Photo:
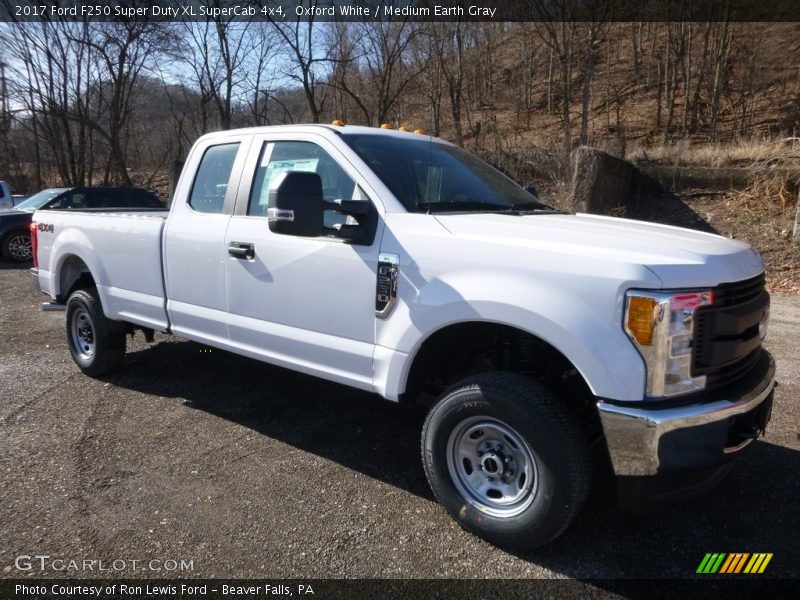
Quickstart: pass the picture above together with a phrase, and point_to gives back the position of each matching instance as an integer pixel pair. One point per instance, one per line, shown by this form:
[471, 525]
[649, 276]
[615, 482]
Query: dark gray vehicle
[15, 235]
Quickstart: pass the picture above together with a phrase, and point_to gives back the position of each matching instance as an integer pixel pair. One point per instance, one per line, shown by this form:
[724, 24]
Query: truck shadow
[7, 265]
[668, 209]
[357, 429]
[753, 510]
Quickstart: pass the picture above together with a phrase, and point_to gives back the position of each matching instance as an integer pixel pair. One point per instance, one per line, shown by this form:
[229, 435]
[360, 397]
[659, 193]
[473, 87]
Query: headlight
[661, 325]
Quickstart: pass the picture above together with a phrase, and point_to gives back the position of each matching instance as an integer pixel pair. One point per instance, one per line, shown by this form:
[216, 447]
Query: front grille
[728, 374]
[727, 343]
[740, 292]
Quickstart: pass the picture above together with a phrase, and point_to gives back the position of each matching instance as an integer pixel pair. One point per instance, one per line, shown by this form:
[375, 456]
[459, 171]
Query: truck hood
[13, 212]
[678, 257]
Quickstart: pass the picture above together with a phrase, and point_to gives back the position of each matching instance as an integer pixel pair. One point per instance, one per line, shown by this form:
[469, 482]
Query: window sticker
[276, 169]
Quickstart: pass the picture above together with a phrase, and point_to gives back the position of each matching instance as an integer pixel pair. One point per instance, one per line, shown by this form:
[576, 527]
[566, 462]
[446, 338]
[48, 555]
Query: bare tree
[258, 72]
[217, 53]
[722, 38]
[558, 32]
[122, 50]
[52, 79]
[309, 61]
[594, 32]
[449, 45]
[377, 72]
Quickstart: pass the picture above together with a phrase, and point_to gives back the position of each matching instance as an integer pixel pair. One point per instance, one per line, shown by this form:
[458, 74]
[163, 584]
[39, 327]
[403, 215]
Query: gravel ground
[249, 470]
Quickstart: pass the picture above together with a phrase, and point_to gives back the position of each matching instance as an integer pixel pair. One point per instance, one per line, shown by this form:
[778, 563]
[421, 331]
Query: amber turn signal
[641, 319]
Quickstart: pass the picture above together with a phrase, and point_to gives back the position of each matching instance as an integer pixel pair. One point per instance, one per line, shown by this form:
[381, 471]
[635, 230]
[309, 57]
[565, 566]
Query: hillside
[646, 87]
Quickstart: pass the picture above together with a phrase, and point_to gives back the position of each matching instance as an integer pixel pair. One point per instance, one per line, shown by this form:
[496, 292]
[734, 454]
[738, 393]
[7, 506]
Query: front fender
[585, 329]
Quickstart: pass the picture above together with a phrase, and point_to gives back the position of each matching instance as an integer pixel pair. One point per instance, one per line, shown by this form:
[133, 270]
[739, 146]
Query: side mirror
[296, 205]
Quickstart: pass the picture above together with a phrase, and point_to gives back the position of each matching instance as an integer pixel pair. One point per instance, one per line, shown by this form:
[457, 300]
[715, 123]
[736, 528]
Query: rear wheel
[17, 246]
[97, 343]
[506, 459]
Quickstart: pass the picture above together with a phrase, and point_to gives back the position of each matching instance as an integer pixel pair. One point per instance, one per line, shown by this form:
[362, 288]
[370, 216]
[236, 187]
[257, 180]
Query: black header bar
[401, 10]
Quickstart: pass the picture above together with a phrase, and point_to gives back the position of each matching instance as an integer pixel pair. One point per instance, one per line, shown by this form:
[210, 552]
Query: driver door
[304, 303]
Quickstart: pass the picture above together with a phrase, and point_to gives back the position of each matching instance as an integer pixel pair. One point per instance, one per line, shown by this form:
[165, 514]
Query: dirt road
[248, 470]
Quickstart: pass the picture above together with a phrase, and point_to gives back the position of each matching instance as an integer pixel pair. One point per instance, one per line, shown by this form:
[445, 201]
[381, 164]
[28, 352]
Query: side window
[283, 157]
[75, 200]
[102, 199]
[211, 181]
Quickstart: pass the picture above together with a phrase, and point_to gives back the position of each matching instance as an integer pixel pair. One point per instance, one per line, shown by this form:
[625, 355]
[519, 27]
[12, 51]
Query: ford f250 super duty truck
[401, 264]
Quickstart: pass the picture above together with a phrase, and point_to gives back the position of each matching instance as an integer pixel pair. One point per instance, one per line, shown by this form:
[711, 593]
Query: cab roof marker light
[339, 122]
[385, 126]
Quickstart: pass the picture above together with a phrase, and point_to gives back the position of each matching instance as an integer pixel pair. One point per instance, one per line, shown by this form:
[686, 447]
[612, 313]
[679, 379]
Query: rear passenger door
[305, 303]
[194, 240]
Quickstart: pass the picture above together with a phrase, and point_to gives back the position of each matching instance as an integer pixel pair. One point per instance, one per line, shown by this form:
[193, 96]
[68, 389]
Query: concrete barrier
[680, 179]
[600, 182]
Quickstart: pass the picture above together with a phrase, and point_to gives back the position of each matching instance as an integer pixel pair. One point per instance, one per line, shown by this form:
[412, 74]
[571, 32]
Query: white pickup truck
[401, 264]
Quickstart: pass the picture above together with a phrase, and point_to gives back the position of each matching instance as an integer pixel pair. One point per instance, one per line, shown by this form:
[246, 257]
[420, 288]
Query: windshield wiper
[532, 208]
[462, 205]
[523, 208]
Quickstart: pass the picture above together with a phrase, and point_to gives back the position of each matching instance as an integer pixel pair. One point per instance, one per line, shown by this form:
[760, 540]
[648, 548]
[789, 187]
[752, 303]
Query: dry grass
[765, 189]
[762, 215]
[741, 153]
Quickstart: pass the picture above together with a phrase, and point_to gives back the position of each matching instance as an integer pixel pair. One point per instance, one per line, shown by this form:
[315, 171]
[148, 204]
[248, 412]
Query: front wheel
[17, 246]
[97, 343]
[506, 459]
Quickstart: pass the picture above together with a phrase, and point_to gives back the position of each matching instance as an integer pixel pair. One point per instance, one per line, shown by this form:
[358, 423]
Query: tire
[17, 246]
[516, 431]
[97, 343]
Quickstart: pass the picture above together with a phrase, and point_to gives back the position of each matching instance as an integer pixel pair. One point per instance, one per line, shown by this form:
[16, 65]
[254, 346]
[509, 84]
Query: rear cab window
[213, 178]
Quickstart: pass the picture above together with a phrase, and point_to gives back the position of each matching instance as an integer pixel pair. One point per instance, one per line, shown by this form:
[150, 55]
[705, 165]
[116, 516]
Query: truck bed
[121, 248]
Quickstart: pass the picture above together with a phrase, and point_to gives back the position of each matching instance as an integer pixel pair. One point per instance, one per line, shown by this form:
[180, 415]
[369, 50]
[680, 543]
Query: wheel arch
[73, 274]
[436, 350]
[16, 228]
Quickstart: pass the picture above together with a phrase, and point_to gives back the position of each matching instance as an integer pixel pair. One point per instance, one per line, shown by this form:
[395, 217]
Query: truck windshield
[428, 176]
[38, 200]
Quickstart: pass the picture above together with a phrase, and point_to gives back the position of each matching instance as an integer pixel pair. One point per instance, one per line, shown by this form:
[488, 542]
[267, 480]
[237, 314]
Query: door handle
[244, 250]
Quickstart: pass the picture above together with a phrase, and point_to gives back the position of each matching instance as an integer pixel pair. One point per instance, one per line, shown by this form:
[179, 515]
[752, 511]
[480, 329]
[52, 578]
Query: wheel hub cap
[20, 247]
[82, 334]
[492, 466]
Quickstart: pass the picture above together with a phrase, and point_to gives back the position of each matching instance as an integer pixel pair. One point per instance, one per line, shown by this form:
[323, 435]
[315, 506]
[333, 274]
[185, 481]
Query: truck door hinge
[386, 289]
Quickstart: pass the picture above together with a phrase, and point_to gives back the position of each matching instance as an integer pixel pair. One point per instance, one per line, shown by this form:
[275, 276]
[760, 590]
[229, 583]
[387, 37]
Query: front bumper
[666, 449]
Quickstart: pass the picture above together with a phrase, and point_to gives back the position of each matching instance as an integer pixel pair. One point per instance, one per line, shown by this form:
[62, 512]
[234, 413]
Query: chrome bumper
[651, 441]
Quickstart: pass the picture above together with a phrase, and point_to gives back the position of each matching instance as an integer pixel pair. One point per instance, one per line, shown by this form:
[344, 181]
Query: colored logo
[736, 562]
